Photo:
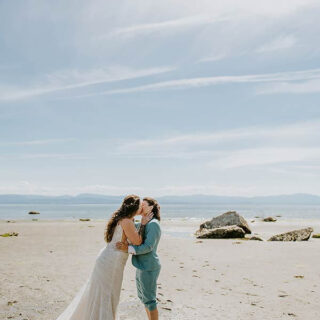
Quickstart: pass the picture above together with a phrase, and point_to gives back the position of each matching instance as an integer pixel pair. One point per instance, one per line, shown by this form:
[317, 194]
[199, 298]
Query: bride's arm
[129, 228]
[131, 232]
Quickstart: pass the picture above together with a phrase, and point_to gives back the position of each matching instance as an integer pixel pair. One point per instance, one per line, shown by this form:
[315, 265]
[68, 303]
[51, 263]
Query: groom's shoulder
[154, 223]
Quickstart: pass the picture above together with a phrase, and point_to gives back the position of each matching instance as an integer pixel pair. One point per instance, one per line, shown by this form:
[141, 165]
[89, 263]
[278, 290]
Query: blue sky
[160, 97]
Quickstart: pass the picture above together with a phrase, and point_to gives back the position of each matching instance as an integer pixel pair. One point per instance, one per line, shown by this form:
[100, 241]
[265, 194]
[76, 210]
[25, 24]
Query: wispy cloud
[212, 58]
[58, 156]
[280, 43]
[72, 79]
[267, 156]
[219, 144]
[36, 142]
[212, 81]
[165, 26]
[311, 86]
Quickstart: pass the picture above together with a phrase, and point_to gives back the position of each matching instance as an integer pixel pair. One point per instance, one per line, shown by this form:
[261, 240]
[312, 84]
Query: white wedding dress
[99, 297]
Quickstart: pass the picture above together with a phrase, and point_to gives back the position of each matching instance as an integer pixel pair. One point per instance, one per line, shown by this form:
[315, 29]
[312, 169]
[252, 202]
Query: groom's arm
[152, 235]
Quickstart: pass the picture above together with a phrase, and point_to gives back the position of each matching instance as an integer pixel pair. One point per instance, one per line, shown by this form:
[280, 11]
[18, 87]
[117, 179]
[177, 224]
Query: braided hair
[128, 208]
[156, 207]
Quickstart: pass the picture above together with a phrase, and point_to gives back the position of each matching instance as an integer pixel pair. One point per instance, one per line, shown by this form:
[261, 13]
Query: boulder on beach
[221, 233]
[270, 219]
[34, 212]
[84, 219]
[230, 218]
[295, 235]
[317, 236]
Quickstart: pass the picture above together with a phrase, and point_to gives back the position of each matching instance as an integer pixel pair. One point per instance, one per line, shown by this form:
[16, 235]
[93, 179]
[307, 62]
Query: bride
[99, 297]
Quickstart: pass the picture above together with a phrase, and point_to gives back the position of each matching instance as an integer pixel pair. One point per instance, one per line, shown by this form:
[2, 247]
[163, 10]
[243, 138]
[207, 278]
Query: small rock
[84, 219]
[299, 277]
[316, 236]
[269, 219]
[256, 238]
[9, 234]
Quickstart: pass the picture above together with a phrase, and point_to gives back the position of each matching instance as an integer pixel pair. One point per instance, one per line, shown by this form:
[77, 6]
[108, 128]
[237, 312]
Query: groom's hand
[145, 219]
[123, 246]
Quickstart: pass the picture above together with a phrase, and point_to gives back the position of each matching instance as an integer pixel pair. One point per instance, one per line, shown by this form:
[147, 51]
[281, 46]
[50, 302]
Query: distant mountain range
[299, 198]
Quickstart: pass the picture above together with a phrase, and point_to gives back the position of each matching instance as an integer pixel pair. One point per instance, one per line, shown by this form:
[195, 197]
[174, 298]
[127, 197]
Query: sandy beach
[47, 263]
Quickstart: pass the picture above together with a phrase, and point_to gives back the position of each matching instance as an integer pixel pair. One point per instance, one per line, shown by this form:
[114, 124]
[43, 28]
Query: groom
[145, 258]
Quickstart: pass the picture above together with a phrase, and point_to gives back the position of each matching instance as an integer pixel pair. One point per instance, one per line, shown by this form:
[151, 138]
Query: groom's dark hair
[156, 207]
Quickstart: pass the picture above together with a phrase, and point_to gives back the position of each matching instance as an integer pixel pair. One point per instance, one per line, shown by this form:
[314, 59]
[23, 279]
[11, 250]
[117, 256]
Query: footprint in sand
[165, 308]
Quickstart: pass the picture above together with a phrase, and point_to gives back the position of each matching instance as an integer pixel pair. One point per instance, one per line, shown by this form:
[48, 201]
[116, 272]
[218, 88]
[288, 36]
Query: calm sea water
[103, 211]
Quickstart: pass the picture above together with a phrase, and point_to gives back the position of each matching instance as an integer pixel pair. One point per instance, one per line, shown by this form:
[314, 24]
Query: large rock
[221, 233]
[295, 235]
[34, 212]
[230, 218]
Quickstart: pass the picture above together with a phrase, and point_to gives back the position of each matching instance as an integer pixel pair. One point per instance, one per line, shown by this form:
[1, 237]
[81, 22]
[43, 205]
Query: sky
[160, 97]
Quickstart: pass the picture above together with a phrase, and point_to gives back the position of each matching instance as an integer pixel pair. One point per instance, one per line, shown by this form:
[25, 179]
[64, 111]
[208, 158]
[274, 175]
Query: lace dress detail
[98, 299]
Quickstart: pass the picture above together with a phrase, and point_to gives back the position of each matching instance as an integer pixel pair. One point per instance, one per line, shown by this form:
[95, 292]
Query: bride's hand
[145, 219]
[123, 246]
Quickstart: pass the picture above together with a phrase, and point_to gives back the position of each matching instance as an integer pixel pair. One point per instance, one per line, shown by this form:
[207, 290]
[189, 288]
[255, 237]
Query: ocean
[188, 211]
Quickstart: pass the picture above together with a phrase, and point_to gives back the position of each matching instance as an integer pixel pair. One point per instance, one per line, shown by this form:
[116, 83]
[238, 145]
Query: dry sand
[44, 267]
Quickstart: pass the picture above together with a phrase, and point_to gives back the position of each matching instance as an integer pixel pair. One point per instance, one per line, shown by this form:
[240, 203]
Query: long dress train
[98, 299]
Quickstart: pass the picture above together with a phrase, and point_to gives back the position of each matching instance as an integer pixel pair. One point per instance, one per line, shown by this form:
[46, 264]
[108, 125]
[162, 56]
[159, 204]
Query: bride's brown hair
[128, 208]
